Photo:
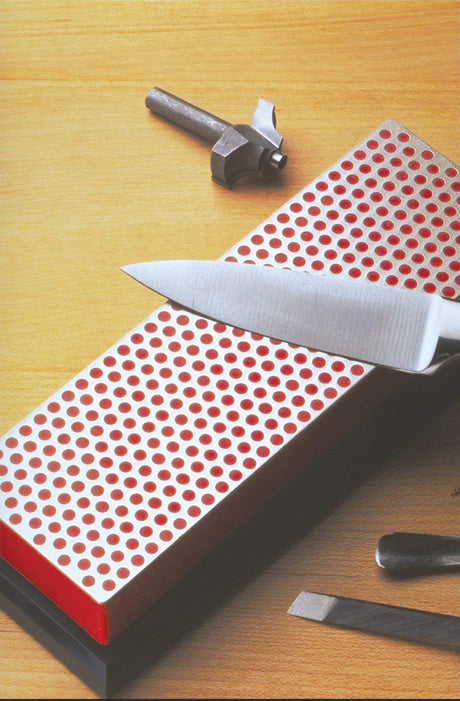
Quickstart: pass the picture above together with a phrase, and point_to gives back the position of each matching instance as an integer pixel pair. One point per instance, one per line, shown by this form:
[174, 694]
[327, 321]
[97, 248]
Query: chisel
[424, 626]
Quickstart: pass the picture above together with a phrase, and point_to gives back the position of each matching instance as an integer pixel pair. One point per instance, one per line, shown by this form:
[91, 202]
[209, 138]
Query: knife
[402, 329]
[426, 626]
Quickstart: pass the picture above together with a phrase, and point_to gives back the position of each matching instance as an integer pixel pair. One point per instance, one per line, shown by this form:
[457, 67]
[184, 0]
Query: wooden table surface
[90, 181]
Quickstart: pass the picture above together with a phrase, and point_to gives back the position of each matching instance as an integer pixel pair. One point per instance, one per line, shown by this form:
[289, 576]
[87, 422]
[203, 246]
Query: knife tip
[134, 270]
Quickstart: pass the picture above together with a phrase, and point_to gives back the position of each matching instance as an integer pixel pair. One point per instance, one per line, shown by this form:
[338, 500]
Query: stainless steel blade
[426, 626]
[371, 323]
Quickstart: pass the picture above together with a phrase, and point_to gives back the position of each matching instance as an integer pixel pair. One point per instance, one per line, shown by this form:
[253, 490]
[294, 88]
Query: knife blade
[426, 626]
[397, 328]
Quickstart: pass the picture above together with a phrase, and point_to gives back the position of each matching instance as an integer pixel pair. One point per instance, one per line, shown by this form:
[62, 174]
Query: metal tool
[402, 329]
[425, 626]
[237, 150]
[403, 552]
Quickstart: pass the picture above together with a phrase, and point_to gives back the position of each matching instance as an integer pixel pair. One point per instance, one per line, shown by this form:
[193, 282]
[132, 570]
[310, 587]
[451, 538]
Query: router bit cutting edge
[238, 150]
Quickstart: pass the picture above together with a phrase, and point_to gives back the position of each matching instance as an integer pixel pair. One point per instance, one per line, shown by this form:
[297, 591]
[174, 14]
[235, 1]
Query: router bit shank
[185, 115]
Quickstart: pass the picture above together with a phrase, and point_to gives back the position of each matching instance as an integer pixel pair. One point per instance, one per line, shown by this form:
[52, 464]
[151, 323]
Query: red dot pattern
[387, 212]
[131, 453]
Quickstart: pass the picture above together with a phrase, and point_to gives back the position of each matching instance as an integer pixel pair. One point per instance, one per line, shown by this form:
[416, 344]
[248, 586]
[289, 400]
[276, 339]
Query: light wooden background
[91, 181]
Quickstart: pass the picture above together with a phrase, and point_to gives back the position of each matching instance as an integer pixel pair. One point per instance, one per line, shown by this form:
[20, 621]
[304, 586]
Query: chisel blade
[415, 624]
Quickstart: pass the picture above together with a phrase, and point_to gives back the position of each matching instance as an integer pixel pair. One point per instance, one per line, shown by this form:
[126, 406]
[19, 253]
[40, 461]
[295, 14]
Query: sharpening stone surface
[115, 469]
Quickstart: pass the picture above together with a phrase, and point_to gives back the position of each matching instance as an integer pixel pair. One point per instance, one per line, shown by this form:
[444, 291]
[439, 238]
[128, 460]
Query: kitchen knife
[426, 626]
[402, 329]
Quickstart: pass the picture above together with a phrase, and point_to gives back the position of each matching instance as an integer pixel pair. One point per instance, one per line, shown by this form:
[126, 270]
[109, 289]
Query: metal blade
[363, 321]
[426, 626]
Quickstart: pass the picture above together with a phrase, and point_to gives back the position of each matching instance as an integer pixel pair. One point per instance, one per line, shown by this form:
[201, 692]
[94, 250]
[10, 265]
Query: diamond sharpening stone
[131, 473]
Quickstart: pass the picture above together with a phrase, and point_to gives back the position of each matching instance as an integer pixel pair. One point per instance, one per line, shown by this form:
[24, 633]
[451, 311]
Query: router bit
[238, 150]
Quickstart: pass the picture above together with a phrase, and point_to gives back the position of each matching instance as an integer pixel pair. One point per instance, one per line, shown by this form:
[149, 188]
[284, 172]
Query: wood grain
[91, 181]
